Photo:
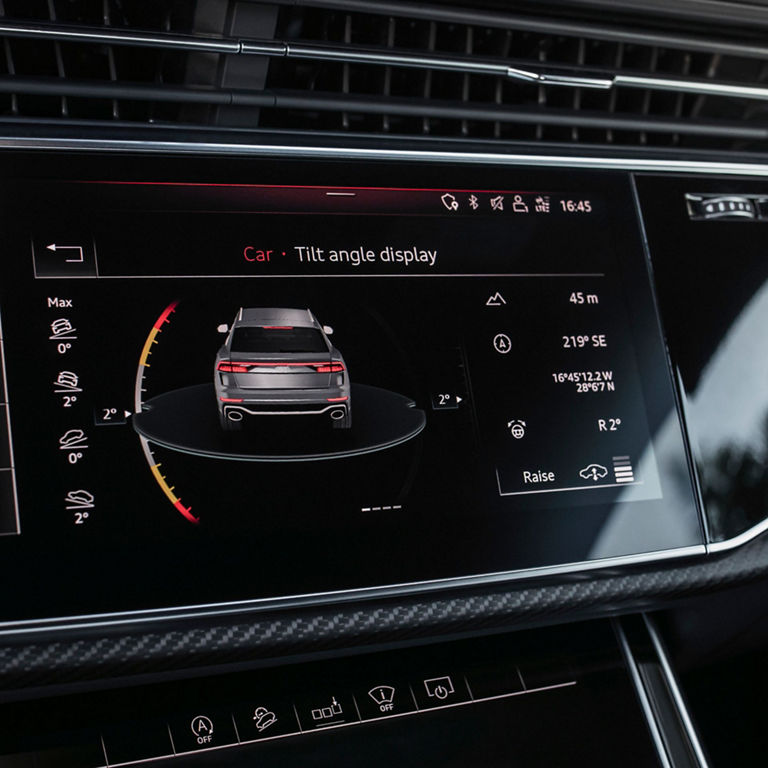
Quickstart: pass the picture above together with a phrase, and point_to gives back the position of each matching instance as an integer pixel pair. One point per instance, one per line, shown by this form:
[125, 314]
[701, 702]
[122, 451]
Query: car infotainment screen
[247, 379]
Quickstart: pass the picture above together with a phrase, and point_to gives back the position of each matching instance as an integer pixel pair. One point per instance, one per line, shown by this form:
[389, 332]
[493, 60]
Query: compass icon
[502, 343]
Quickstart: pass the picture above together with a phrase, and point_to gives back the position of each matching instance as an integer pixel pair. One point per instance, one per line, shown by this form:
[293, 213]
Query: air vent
[414, 70]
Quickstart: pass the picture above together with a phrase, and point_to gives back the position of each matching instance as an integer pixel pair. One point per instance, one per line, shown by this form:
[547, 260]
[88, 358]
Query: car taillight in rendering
[233, 366]
[230, 367]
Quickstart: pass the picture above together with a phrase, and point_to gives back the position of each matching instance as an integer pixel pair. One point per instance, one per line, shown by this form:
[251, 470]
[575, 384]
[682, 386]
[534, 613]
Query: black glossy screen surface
[712, 278]
[491, 392]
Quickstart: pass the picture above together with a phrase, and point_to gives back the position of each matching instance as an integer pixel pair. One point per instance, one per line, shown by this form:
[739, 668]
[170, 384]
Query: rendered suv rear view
[280, 362]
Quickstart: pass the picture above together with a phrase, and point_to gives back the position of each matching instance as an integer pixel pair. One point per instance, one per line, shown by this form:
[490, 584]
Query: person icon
[518, 206]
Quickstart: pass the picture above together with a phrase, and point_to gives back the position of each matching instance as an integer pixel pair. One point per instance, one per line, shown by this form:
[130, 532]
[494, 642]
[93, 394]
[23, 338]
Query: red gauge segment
[167, 489]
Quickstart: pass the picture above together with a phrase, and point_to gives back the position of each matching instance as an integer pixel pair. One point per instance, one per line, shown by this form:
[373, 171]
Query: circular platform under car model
[186, 420]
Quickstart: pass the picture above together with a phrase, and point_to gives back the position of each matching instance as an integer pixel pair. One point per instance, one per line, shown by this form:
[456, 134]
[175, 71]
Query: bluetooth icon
[474, 204]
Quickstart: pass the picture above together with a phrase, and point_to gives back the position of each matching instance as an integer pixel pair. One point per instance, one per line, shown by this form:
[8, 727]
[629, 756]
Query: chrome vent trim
[359, 55]
[618, 33]
[116, 36]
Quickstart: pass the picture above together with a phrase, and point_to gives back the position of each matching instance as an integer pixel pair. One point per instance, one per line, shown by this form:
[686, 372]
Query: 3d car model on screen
[280, 362]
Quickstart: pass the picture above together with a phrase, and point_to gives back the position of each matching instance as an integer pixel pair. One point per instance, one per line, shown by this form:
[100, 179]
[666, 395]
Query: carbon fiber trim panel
[182, 646]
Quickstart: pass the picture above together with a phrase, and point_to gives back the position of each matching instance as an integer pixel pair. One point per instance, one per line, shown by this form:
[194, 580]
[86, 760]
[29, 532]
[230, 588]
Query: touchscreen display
[224, 389]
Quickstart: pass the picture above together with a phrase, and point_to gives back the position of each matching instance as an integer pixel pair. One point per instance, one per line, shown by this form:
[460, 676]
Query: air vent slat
[387, 84]
[432, 40]
[557, 74]
[390, 68]
[377, 106]
[113, 78]
[541, 95]
[64, 111]
[345, 89]
[552, 117]
[9, 66]
[56, 87]
[550, 26]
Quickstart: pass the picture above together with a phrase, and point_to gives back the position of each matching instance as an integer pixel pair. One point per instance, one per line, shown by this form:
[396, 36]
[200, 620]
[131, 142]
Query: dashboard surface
[484, 700]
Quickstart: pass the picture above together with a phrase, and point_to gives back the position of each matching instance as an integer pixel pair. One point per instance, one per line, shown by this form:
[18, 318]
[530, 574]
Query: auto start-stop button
[202, 730]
